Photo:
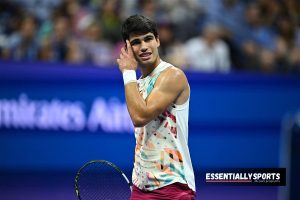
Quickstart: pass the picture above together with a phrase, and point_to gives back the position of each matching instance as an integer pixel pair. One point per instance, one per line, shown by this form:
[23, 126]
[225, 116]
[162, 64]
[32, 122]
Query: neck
[147, 69]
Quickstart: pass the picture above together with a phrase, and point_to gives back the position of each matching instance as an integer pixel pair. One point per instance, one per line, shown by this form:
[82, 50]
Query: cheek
[135, 51]
[155, 48]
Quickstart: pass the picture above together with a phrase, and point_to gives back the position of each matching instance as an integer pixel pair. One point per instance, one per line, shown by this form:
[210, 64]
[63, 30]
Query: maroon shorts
[175, 191]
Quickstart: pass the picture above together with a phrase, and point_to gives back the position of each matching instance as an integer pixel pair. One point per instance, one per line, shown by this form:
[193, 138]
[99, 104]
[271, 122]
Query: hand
[127, 60]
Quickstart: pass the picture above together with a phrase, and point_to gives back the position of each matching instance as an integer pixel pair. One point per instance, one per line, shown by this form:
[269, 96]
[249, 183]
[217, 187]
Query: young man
[158, 105]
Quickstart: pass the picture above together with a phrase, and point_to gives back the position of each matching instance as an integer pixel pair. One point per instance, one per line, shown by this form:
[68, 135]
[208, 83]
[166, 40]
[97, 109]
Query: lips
[145, 56]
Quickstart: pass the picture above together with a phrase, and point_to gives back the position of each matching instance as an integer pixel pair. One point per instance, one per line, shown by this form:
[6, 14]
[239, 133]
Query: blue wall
[235, 119]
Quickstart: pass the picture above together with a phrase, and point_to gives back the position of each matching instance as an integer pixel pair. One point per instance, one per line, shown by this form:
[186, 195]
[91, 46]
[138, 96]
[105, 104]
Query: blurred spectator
[207, 52]
[267, 61]
[40, 9]
[228, 13]
[250, 57]
[171, 50]
[148, 8]
[109, 18]
[257, 41]
[78, 15]
[59, 40]
[9, 20]
[97, 50]
[292, 9]
[46, 52]
[186, 16]
[255, 30]
[23, 45]
[74, 52]
[287, 46]
[295, 61]
[258, 35]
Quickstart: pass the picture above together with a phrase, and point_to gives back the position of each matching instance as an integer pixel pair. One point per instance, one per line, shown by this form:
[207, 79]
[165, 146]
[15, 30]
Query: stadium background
[57, 114]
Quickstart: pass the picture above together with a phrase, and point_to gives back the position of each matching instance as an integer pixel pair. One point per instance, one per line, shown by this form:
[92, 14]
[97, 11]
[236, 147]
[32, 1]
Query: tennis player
[158, 104]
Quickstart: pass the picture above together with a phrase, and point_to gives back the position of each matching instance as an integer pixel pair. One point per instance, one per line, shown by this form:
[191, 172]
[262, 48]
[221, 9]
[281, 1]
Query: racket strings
[99, 181]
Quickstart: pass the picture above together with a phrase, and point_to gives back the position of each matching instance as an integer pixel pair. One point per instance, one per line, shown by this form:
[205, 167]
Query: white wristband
[129, 76]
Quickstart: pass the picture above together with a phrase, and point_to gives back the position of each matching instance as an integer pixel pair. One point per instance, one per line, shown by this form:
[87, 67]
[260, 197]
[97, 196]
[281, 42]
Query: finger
[121, 56]
[129, 48]
[123, 51]
[118, 61]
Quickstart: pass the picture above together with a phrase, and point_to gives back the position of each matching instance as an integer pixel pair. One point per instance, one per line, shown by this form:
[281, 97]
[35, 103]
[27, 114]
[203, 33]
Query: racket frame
[103, 162]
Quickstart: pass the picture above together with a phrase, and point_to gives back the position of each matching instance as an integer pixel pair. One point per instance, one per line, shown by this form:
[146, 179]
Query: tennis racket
[101, 180]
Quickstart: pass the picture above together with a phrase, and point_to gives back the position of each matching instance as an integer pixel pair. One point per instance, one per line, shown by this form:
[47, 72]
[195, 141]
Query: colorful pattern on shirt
[158, 160]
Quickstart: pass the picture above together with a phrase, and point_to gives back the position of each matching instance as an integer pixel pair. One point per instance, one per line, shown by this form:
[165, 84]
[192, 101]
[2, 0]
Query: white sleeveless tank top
[161, 154]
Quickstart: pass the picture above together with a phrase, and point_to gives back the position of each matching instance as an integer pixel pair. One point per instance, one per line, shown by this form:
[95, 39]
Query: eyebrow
[148, 36]
[145, 37]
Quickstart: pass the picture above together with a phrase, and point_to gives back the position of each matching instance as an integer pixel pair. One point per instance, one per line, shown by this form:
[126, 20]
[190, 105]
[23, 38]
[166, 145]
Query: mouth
[145, 56]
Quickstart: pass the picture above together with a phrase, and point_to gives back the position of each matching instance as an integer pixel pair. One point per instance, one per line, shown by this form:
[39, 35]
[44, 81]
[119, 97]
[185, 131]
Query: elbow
[139, 121]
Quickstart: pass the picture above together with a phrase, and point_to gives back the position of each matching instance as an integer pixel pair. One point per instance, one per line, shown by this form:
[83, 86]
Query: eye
[148, 38]
[134, 42]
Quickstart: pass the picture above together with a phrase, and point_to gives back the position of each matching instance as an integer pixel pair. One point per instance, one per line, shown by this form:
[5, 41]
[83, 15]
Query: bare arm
[168, 87]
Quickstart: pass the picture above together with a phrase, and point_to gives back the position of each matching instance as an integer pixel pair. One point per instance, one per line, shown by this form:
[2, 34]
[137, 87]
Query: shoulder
[176, 72]
[173, 73]
[172, 77]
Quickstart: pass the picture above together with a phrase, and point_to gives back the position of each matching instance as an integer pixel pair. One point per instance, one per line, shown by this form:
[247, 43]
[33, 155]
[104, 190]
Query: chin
[147, 62]
[151, 61]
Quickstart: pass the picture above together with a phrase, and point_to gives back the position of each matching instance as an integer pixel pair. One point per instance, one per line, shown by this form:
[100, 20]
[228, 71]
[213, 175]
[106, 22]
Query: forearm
[136, 105]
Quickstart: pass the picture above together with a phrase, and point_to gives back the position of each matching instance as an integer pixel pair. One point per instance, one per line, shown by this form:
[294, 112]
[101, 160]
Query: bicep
[164, 93]
[159, 100]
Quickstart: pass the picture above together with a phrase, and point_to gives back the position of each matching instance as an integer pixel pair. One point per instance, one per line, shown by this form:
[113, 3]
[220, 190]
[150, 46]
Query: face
[145, 49]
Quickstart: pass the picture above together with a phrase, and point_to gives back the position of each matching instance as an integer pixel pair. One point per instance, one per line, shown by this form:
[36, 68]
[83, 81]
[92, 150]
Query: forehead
[139, 36]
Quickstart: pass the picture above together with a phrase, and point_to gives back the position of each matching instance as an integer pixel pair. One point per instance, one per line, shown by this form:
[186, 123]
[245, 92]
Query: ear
[158, 41]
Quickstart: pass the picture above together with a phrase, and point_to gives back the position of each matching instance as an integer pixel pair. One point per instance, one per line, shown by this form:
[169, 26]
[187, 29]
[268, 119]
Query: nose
[144, 47]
